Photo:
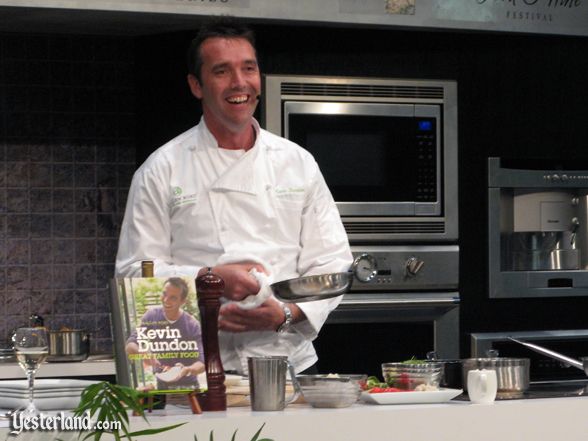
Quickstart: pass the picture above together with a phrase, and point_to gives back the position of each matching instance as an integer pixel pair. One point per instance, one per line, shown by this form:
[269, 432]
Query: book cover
[157, 334]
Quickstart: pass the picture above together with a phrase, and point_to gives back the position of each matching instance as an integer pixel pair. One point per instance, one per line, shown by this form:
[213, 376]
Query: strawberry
[377, 390]
[403, 379]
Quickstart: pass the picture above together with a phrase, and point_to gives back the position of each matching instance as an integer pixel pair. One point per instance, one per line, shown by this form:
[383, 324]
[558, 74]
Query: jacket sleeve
[146, 232]
[325, 249]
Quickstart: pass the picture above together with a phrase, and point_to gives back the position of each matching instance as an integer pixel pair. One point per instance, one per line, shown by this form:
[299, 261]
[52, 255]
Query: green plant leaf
[258, 432]
[118, 408]
[234, 437]
[89, 393]
[110, 402]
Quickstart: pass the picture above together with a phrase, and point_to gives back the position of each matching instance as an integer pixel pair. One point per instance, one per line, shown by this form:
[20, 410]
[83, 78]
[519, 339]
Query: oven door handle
[437, 307]
[401, 302]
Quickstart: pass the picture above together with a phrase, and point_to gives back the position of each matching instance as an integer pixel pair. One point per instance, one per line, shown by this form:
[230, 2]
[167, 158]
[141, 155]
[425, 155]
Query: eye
[251, 67]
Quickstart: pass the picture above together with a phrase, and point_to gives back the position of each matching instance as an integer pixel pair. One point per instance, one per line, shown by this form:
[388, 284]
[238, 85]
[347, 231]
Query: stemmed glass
[31, 348]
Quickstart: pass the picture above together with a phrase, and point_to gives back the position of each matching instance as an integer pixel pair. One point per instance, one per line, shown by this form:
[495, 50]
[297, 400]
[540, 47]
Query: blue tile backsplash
[67, 155]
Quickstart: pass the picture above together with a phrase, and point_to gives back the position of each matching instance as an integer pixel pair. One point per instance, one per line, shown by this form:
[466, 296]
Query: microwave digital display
[425, 125]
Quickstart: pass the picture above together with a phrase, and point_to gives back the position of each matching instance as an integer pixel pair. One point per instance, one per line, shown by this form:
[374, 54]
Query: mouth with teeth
[238, 99]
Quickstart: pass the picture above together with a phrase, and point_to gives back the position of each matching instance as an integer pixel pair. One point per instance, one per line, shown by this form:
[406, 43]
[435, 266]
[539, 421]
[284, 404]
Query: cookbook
[157, 334]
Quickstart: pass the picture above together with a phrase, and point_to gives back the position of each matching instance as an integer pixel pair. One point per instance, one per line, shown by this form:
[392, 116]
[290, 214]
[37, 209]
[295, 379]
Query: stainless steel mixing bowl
[331, 391]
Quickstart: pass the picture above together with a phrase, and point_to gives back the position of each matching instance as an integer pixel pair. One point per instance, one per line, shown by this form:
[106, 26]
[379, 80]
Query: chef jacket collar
[244, 174]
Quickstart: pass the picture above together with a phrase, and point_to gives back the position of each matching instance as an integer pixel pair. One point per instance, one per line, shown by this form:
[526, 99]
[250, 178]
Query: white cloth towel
[264, 280]
[265, 292]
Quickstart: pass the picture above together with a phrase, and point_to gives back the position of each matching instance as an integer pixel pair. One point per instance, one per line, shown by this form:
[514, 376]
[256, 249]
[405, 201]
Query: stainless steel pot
[68, 345]
[512, 374]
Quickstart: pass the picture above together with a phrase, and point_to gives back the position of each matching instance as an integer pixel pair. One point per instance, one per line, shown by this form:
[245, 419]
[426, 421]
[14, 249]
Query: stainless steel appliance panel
[405, 268]
[537, 229]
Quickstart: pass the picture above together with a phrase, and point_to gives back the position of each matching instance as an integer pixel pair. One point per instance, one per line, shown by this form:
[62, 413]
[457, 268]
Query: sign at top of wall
[529, 16]
[536, 16]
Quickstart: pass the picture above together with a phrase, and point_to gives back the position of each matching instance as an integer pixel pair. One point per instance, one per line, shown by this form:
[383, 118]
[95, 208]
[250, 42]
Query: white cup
[482, 386]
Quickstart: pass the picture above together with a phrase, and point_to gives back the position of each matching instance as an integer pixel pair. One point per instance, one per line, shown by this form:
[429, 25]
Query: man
[231, 196]
[173, 323]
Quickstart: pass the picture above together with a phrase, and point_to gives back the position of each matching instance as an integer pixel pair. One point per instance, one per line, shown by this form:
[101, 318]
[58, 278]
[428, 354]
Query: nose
[237, 79]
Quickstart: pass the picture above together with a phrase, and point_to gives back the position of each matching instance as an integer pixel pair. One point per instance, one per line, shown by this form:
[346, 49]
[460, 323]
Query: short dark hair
[221, 27]
[178, 282]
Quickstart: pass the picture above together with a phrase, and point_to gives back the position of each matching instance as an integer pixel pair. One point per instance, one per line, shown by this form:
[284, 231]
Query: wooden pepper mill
[210, 288]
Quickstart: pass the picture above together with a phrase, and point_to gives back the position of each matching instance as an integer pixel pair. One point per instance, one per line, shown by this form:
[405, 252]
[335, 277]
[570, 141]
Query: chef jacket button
[273, 261]
[268, 187]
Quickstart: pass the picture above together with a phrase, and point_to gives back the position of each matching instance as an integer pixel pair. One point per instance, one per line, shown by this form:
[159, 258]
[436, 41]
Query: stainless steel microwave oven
[387, 149]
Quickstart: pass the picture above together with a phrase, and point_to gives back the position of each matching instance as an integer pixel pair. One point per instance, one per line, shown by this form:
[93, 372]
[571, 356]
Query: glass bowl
[413, 376]
[331, 390]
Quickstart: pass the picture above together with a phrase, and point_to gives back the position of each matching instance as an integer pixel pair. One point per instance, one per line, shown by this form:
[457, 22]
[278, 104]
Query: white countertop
[93, 365]
[545, 419]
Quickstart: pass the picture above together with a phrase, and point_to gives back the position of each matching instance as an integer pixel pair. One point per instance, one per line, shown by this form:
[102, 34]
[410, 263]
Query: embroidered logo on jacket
[178, 199]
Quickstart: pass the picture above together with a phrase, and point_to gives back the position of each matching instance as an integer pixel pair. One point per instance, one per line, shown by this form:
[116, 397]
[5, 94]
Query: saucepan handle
[295, 383]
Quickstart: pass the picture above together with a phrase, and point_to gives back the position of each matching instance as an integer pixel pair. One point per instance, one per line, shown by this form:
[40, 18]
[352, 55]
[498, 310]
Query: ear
[195, 86]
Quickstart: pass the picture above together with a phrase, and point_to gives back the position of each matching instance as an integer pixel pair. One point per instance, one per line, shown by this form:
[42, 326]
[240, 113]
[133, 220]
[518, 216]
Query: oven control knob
[413, 266]
[365, 268]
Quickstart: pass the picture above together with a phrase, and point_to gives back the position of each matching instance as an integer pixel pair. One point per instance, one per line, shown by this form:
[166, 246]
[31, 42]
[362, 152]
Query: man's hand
[266, 317]
[194, 369]
[238, 282]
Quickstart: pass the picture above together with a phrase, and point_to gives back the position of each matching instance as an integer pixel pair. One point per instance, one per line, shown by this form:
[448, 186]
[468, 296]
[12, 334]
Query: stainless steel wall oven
[388, 151]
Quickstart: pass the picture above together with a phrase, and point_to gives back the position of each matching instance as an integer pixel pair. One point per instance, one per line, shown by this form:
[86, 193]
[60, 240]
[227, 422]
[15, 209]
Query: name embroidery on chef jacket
[289, 193]
[180, 199]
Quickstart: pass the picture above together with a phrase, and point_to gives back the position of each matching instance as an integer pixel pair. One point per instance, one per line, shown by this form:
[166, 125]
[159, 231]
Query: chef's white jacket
[188, 209]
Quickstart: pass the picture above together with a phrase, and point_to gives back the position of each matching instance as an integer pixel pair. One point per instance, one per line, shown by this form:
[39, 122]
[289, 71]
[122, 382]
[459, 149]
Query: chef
[230, 196]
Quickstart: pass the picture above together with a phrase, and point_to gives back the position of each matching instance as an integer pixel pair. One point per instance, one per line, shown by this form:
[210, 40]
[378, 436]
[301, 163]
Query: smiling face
[230, 84]
[172, 300]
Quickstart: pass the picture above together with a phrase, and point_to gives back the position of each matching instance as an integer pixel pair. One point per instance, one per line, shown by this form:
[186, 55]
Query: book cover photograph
[158, 335]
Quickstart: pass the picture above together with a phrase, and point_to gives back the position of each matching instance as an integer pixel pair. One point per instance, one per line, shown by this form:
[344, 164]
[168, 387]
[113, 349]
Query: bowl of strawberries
[413, 375]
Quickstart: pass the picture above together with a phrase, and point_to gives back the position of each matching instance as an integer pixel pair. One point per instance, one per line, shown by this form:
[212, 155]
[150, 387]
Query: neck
[227, 139]
[172, 317]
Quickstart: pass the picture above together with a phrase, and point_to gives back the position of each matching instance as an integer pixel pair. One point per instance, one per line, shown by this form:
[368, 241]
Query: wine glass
[31, 348]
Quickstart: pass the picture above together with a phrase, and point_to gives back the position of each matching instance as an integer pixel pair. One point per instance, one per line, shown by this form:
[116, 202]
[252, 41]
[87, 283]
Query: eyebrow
[250, 62]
